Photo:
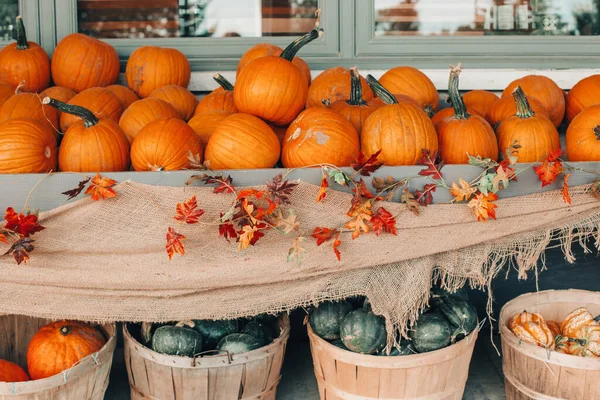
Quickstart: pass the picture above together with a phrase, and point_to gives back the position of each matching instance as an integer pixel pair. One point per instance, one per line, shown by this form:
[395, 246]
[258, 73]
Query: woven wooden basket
[532, 372]
[249, 376]
[344, 375]
[87, 380]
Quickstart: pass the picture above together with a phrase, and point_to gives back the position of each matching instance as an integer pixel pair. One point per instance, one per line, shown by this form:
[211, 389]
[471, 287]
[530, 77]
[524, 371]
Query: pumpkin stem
[460, 110]
[355, 89]
[581, 342]
[523, 108]
[597, 133]
[290, 52]
[21, 37]
[224, 83]
[380, 91]
[597, 319]
[65, 330]
[89, 119]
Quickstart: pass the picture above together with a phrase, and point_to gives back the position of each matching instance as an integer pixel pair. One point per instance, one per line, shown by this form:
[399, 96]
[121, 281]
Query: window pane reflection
[9, 9]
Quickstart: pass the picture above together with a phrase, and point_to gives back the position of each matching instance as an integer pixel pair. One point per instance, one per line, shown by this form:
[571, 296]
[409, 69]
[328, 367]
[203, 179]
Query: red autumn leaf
[21, 249]
[554, 155]
[367, 166]
[323, 234]
[224, 184]
[101, 187]
[21, 224]
[383, 221]
[336, 244]
[361, 190]
[565, 189]
[425, 196]
[258, 234]
[279, 190]
[261, 212]
[550, 169]
[75, 192]
[433, 163]
[227, 230]
[188, 211]
[323, 189]
[175, 243]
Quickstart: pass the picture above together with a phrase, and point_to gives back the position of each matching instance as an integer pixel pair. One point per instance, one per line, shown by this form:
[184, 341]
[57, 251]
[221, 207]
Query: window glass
[486, 17]
[9, 9]
[195, 18]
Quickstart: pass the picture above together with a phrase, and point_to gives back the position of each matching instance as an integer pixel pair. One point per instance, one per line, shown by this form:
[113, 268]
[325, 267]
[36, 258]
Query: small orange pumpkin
[11, 372]
[545, 90]
[142, 112]
[506, 107]
[587, 343]
[583, 95]
[61, 93]
[204, 124]
[583, 135]
[532, 328]
[333, 85]
[6, 92]
[126, 95]
[242, 141]
[463, 134]
[412, 82]
[81, 62]
[25, 64]
[165, 144]
[26, 147]
[219, 100]
[400, 130]
[59, 345]
[267, 49]
[29, 105]
[575, 321]
[536, 135]
[480, 101]
[151, 67]
[179, 97]
[320, 136]
[101, 102]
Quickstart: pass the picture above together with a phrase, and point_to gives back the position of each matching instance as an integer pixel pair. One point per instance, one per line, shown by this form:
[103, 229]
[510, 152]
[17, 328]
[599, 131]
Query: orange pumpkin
[536, 135]
[506, 107]
[151, 67]
[204, 124]
[179, 97]
[61, 93]
[583, 135]
[532, 328]
[400, 130]
[575, 321]
[412, 82]
[480, 101]
[267, 49]
[59, 345]
[101, 102]
[26, 147]
[25, 64]
[142, 112]
[242, 141]
[11, 372]
[273, 88]
[81, 62]
[463, 134]
[91, 144]
[449, 112]
[356, 110]
[545, 90]
[333, 85]
[320, 136]
[6, 92]
[583, 95]
[126, 95]
[561, 344]
[587, 344]
[29, 105]
[279, 131]
[165, 144]
[219, 100]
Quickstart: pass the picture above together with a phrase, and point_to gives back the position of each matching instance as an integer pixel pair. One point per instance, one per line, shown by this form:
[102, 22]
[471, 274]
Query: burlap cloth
[106, 260]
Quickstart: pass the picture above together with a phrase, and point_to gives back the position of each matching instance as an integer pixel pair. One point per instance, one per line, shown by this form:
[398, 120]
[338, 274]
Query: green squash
[431, 332]
[237, 343]
[270, 320]
[326, 317]
[177, 340]
[363, 332]
[461, 315]
[214, 331]
[406, 348]
[259, 331]
[338, 343]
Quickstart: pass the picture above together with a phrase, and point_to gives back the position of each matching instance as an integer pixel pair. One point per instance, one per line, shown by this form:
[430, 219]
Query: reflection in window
[9, 9]
[195, 18]
[486, 17]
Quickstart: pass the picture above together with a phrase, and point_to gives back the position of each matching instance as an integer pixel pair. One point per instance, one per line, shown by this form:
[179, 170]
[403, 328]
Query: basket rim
[84, 366]
[208, 361]
[530, 350]
[407, 361]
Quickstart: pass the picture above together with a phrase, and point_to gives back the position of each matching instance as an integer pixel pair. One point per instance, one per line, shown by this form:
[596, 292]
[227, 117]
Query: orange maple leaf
[188, 211]
[3, 238]
[551, 167]
[246, 193]
[323, 190]
[246, 236]
[101, 187]
[174, 243]
[360, 216]
[483, 206]
[565, 189]
[464, 192]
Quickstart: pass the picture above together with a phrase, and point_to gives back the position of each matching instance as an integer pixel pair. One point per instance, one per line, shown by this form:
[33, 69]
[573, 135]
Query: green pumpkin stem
[597, 319]
[290, 52]
[460, 110]
[21, 37]
[523, 108]
[581, 342]
[65, 330]
[89, 119]
[380, 91]
[356, 98]
[224, 83]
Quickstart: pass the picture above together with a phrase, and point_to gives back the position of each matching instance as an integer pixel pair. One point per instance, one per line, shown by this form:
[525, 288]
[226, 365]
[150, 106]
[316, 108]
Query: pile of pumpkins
[352, 325]
[274, 113]
[55, 348]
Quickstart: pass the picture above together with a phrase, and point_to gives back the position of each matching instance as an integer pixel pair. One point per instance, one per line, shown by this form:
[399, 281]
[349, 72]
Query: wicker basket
[342, 374]
[87, 380]
[253, 375]
[532, 372]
